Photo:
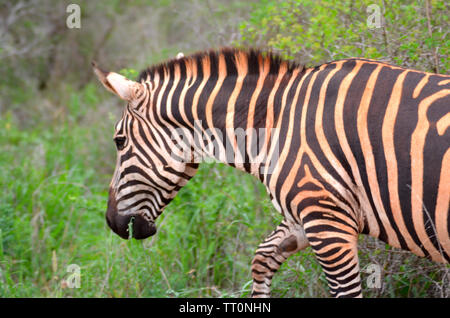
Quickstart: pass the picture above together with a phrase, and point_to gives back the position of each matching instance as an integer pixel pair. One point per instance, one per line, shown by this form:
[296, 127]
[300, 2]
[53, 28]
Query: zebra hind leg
[285, 240]
[335, 247]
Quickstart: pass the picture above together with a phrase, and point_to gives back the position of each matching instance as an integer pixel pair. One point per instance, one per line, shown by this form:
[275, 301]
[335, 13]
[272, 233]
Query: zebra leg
[335, 247]
[287, 239]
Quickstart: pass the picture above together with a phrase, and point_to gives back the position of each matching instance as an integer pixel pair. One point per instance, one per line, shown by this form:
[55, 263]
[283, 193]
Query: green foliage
[316, 32]
[129, 73]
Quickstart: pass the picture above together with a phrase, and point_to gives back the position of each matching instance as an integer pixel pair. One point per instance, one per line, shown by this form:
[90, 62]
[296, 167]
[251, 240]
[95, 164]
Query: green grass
[52, 215]
[54, 174]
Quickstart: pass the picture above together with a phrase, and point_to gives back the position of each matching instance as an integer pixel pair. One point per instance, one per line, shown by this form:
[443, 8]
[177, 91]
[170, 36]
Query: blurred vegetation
[412, 34]
[57, 156]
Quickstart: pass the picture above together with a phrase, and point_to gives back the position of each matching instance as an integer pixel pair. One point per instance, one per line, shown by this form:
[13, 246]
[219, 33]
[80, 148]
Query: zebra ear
[120, 85]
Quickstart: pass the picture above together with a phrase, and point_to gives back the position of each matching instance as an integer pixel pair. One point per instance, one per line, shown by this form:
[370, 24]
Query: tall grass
[54, 175]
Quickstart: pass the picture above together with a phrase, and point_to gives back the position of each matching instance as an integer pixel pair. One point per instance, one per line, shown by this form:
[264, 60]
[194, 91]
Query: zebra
[354, 146]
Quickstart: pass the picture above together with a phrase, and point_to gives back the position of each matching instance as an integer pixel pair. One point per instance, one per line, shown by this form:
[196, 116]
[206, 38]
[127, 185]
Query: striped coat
[345, 148]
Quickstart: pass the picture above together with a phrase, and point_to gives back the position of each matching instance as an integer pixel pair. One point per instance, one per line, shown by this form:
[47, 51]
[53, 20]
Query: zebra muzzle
[127, 225]
[134, 226]
[141, 228]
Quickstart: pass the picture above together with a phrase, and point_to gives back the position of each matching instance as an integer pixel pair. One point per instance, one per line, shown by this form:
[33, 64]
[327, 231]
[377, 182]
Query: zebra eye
[120, 142]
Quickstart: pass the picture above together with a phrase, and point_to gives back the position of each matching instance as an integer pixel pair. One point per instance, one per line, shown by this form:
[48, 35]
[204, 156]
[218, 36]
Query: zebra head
[146, 177]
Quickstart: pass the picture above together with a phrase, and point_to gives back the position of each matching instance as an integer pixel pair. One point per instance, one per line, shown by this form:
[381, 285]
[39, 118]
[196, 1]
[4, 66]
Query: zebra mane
[231, 55]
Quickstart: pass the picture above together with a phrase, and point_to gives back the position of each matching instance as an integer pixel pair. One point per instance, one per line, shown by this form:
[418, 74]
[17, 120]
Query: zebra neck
[237, 120]
[231, 102]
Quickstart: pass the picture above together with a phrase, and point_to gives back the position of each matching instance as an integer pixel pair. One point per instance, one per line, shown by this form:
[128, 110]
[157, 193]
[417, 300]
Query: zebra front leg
[287, 239]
